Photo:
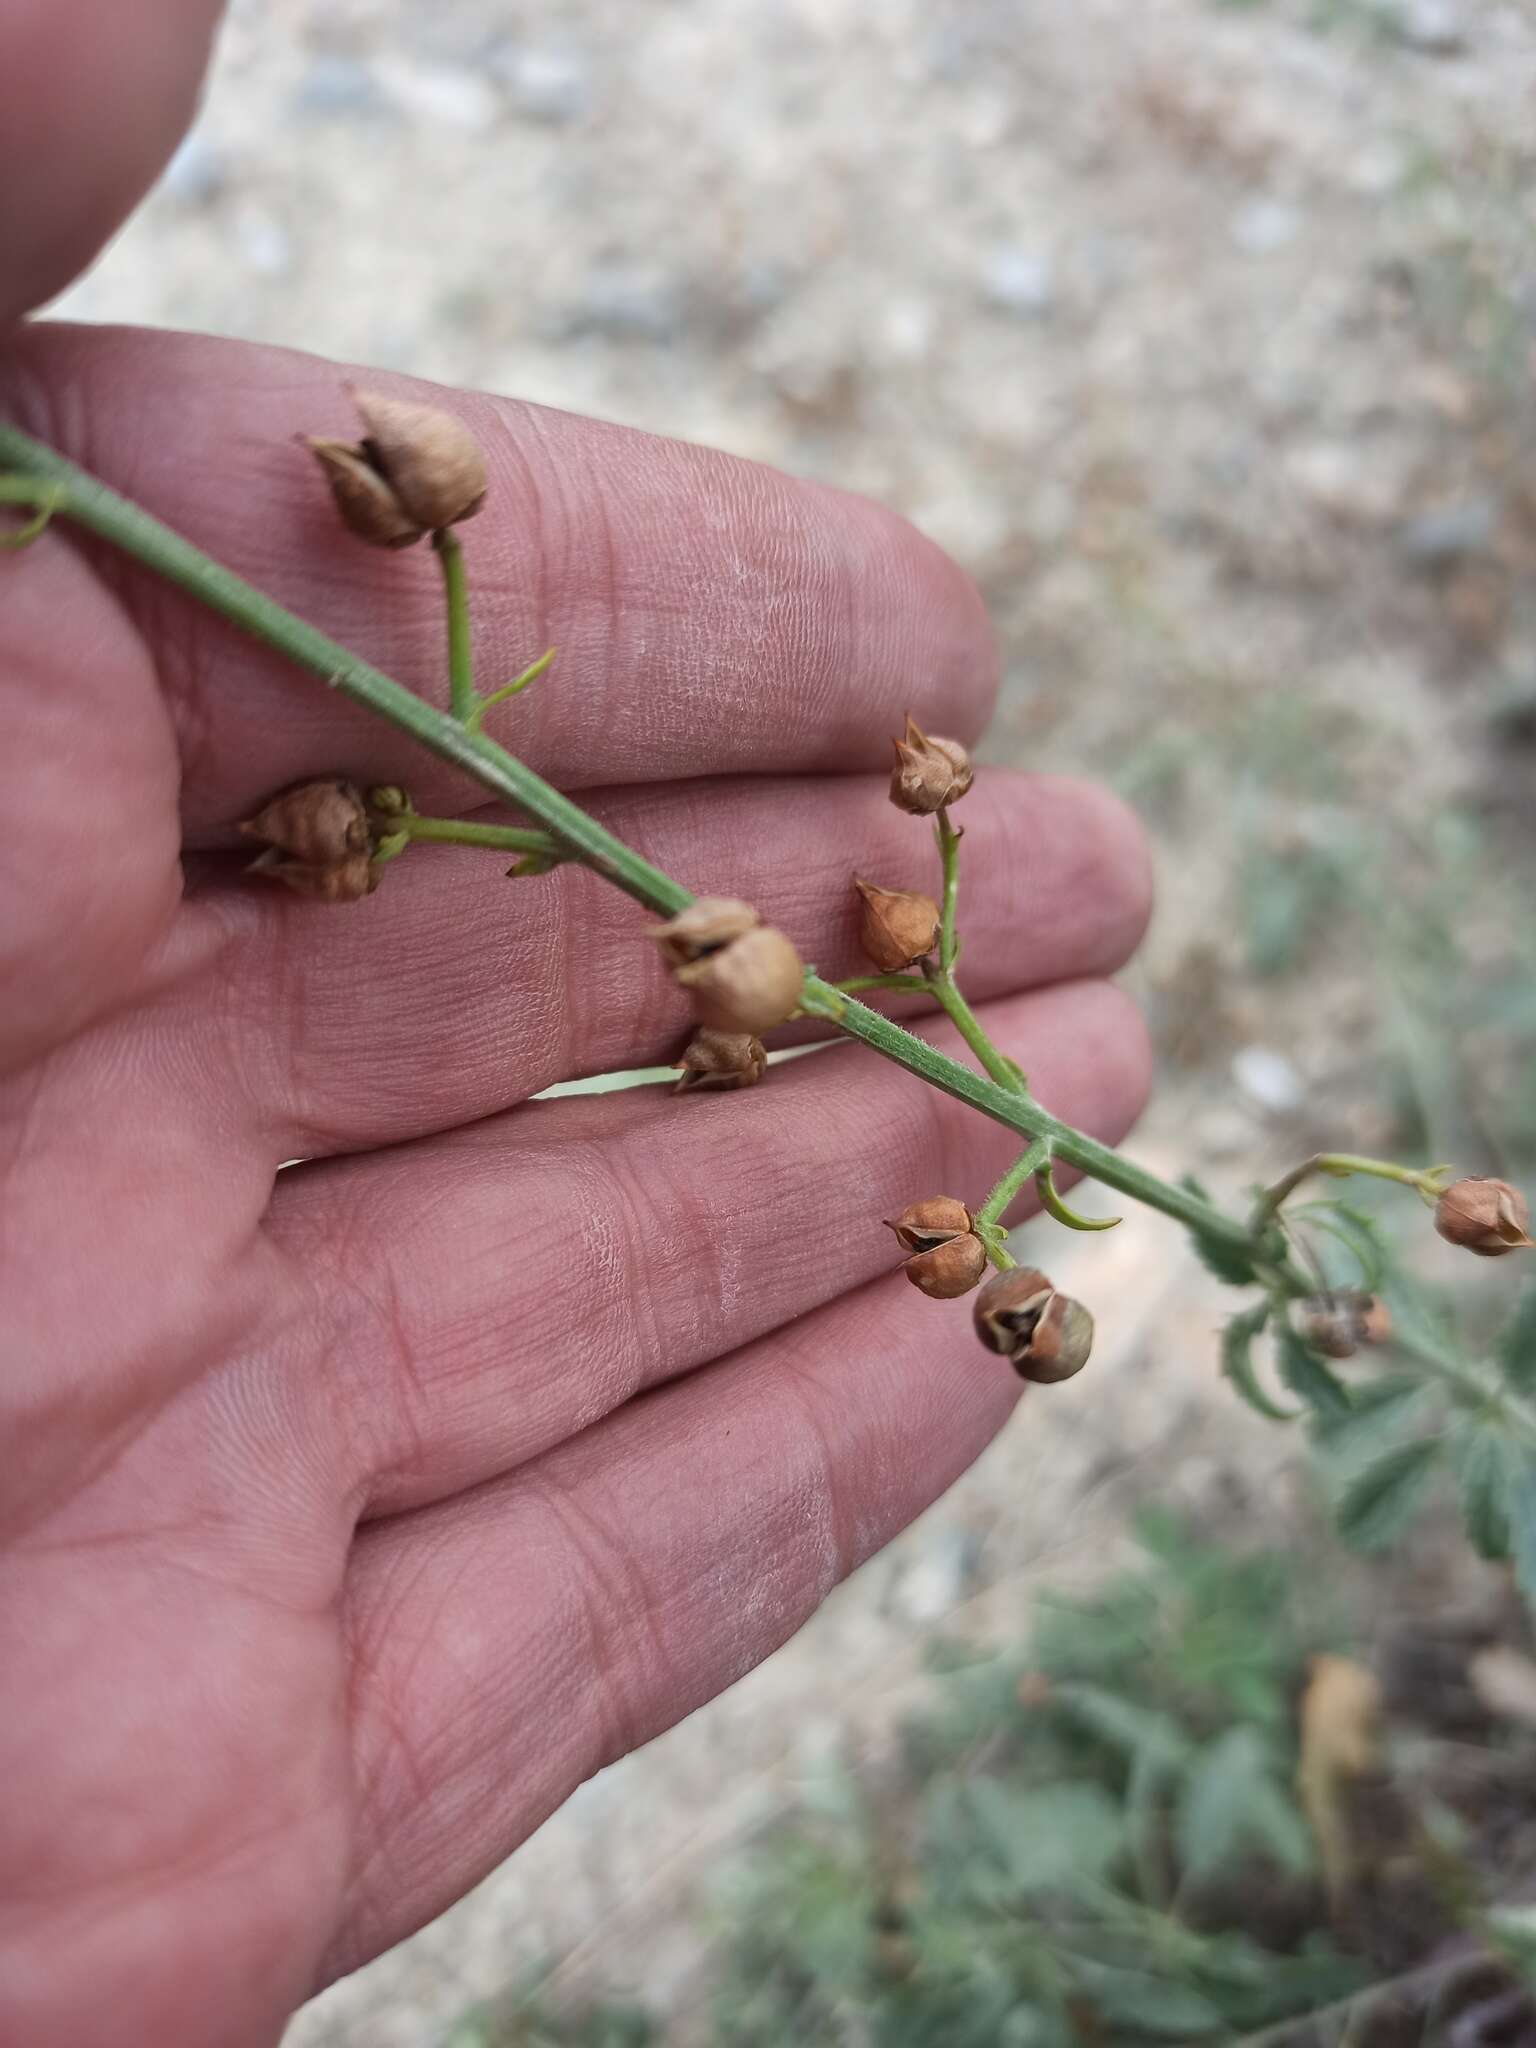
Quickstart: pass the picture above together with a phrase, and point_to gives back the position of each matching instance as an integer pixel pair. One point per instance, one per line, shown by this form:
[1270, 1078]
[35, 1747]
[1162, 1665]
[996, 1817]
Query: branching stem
[38, 478]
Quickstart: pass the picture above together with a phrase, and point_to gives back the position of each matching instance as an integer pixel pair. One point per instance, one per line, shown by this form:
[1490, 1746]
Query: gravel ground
[1204, 335]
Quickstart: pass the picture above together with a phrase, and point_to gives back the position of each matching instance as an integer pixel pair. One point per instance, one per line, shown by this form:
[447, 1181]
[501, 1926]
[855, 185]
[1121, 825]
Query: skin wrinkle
[616, 1606]
[821, 1492]
[375, 1452]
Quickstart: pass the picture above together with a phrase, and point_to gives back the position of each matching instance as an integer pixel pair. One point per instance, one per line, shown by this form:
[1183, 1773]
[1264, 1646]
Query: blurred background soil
[1204, 335]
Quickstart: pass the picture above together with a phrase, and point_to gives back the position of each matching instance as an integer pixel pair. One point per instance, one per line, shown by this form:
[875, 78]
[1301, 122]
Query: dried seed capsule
[317, 822]
[1485, 1216]
[716, 1060]
[896, 926]
[367, 504]
[929, 773]
[344, 881]
[945, 1257]
[749, 984]
[429, 458]
[1339, 1322]
[708, 923]
[1374, 1320]
[416, 470]
[1330, 1323]
[1046, 1336]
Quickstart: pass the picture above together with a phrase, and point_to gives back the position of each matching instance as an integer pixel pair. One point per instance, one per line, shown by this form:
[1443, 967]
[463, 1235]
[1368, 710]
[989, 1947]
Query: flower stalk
[36, 479]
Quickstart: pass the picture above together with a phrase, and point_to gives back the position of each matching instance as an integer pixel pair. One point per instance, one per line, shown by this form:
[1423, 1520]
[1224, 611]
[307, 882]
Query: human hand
[354, 1514]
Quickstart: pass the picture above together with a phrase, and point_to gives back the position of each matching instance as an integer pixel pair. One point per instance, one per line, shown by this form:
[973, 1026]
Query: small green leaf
[1358, 1234]
[1516, 1348]
[1305, 1373]
[1210, 1825]
[1053, 1205]
[1125, 1725]
[1233, 1803]
[1488, 1469]
[1049, 1837]
[1377, 1505]
[1228, 1262]
[1417, 1327]
[1238, 1366]
[1148, 2003]
[1380, 1411]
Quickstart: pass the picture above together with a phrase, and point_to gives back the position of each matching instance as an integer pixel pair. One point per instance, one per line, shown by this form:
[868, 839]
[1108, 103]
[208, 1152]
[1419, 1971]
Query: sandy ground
[1203, 335]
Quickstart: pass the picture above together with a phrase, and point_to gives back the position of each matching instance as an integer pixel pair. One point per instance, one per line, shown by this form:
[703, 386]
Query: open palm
[352, 1514]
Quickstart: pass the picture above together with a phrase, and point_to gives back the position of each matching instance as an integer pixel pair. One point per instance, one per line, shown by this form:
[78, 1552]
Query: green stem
[1005, 1104]
[901, 984]
[460, 832]
[1427, 1181]
[996, 1093]
[462, 700]
[529, 675]
[949, 856]
[101, 511]
[970, 1028]
[1029, 1162]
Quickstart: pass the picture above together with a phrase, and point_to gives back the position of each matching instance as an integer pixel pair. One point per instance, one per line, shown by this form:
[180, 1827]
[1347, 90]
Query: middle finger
[453, 993]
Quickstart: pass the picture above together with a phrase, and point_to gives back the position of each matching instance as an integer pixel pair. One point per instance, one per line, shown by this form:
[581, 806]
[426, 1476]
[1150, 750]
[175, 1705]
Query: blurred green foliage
[1098, 1841]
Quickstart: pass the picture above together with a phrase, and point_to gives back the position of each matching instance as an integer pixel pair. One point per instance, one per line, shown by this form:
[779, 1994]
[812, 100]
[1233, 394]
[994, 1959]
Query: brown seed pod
[896, 926]
[921, 1225]
[430, 459]
[929, 773]
[344, 881]
[1329, 1323]
[416, 470]
[1339, 1322]
[367, 504]
[950, 1269]
[1045, 1336]
[708, 923]
[1485, 1216]
[317, 822]
[749, 984]
[1374, 1320]
[945, 1257]
[716, 1060]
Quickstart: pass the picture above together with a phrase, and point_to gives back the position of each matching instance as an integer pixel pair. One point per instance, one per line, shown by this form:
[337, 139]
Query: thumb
[93, 99]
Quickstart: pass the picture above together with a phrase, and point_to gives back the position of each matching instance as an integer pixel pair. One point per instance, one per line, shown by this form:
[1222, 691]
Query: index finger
[712, 615]
[92, 101]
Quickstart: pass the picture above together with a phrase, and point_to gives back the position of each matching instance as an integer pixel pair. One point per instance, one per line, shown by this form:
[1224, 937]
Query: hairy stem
[35, 473]
[1028, 1162]
[898, 984]
[988, 1220]
[970, 1028]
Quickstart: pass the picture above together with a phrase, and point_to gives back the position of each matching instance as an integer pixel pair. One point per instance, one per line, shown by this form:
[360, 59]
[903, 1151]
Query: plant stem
[1007, 1104]
[969, 1026]
[1028, 1162]
[461, 832]
[901, 984]
[462, 700]
[949, 856]
[101, 511]
[1340, 1165]
[997, 1093]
